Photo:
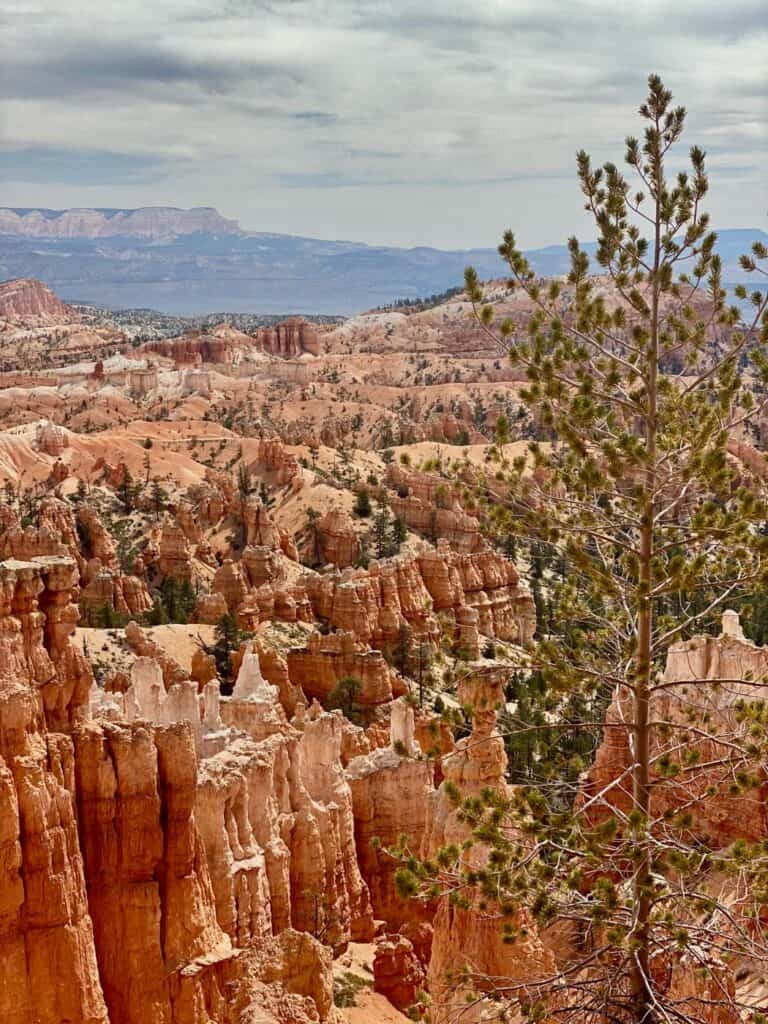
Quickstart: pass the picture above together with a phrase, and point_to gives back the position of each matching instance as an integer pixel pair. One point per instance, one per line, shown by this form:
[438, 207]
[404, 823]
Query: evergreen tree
[312, 517]
[244, 481]
[344, 696]
[81, 493]
[107, 617]
[157, 614]
[126, 491]
[636, 491]
[502, 430]
[228, 637]
[381, 532]
[402, 649]
[178, 599]
[362, 506]
[158, 498]
[399, 533]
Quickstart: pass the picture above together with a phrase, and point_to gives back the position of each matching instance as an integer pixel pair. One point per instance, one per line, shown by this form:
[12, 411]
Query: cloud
[78, 69]
[322, 117]
[56, 164]
[729, 22]
[385, 120]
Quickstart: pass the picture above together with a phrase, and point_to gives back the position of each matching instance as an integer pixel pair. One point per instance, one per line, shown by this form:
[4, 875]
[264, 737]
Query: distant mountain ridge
[147, 222]
[191, 262]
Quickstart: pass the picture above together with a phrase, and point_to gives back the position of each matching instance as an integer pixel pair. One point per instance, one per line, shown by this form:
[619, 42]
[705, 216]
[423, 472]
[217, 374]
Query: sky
[393, 122]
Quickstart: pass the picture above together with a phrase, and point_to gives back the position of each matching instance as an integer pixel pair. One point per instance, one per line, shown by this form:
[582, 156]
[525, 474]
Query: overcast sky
[388, 121]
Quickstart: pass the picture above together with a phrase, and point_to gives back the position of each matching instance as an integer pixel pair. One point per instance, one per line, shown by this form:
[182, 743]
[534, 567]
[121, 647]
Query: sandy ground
[109, 646]
[370, 1007]
[181, 642]
[373, 1009]
[474, 453]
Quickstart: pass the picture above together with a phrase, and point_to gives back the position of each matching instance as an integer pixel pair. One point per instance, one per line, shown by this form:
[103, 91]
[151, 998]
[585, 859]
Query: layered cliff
[194, 349]
[27, 299]
[108, 913]
[468, 950]
[481, 590]
[706, 729]
[44, 911]
[289, 339]
[82, 537]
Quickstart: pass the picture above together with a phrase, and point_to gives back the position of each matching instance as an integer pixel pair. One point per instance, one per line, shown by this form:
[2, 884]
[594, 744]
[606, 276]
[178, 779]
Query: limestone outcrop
[44, 915]
[289, 339]
[108, 909]
[174, 551]
[719, 816]
[274, 669]
[82, 537]
[327, 659]
[25, 298]
[231, 583]
[262, 565]
[142, 644]
[148, 699]
[209, 608]
[461, 530]
[148, 884]
[336, 540]
[472, 937]
[480, 592]
[397, 971]
[128, 595]
[374, 603]
[391, 789]
[276, 818]
[193, 349]
[51, 439]
[274, 463]
[428, 504]
[260, 528]
[267, 603]
[148, 222]
[142, 380]
[38, 618]
[485, 582]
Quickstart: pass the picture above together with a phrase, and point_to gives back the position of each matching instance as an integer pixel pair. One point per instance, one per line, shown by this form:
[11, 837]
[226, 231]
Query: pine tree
[228, 637]
[362, 506]
[399, 533]
[244, 480]
[158, 497]
[344, 696]
[381, 532]
[402, 649]
[178, 599]
[637, 493]
[157, 614]
[107, 617]
[126, 491]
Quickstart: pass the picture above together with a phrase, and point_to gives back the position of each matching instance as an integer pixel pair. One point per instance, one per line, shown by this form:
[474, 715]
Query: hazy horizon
[392, 123]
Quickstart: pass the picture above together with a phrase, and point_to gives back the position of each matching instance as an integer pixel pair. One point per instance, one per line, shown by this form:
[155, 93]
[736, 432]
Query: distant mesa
[291, 339]
[152, 223]
[28, 299]
[196, 262]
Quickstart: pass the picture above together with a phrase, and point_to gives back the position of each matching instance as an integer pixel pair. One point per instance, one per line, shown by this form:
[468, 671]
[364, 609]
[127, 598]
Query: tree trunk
[642, 991]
